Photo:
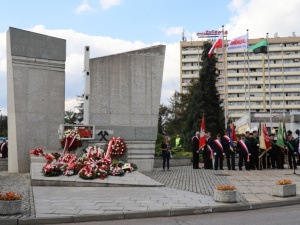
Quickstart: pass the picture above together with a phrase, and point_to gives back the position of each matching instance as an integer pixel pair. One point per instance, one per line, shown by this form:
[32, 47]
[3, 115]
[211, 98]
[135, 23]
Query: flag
[233, 133]
[264, 141]
[232, 136]
[260, 47]
[280, 142]
[238, 44]
[217, 44]
[202, 141]
[283, 131]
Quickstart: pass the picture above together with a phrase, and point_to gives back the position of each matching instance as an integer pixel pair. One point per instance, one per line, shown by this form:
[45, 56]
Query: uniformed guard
[273, 152]
[218, 152]
[291, 151]
[243, 153]
[195, 143]
[229, 150]
[208, 151]
[254, 150]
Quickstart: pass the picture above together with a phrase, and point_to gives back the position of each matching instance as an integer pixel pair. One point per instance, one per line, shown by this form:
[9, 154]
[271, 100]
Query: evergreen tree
[204, 98]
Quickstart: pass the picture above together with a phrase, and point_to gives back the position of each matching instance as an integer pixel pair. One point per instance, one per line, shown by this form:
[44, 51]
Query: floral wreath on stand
[71, 140]
[118, 148]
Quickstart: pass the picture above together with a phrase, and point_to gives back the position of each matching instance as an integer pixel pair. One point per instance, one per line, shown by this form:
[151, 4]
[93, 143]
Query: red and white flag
[264, 141]
[217, 44]
[202, 141]
[238, 44]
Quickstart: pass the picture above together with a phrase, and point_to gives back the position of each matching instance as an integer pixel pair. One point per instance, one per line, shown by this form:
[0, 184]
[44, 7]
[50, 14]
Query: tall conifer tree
[204, 98]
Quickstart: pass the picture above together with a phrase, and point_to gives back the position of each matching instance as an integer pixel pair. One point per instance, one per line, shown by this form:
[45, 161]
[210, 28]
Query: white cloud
[174, 31]
[261, 17]
[83, 7]
[106, 4]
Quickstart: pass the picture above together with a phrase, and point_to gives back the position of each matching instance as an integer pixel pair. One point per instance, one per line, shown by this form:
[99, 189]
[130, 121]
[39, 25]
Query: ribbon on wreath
[69, 141]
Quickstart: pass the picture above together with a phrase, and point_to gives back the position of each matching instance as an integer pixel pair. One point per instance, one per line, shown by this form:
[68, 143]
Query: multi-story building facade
[242, 85]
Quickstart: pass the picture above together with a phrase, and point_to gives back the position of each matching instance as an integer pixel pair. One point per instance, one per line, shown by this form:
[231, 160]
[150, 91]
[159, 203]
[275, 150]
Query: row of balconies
[279, 98]
[259, 74]
[261, 107]
[260, 82]
[259, 90]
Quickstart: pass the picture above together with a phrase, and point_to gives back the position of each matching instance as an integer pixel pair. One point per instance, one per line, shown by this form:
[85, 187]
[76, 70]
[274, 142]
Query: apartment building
[242, 85]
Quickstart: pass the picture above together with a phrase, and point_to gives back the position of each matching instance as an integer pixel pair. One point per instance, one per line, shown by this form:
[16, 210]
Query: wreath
[71, 140]
[118, 148]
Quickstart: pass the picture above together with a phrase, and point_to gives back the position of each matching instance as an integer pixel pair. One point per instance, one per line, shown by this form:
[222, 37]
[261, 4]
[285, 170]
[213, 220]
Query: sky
[116, 26]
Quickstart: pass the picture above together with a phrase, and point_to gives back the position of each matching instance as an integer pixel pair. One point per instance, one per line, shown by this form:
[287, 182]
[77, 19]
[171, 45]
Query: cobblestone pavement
[186, 178]
[20, 184]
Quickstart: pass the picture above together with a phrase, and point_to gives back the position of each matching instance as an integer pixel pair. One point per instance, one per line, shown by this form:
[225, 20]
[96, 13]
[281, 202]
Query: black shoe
[240, 169]
[233, 169]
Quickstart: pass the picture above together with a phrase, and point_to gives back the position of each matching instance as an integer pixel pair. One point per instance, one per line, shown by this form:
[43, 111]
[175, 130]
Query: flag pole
[225, 79]
[248, 79]
[270, 99]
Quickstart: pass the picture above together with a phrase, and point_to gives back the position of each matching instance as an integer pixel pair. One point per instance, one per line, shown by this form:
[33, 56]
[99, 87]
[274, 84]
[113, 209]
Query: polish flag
[202, 141]
[217, 44]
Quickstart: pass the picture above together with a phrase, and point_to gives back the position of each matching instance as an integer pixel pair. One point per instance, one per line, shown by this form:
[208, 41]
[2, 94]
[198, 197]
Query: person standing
[218, 152]
[243, 152]
[229, 150]
[166, 153]
[4, 149]
[178, 141]
[254, 151]
[290, 144]
[208, 152]
[195, 146]
[273, 152]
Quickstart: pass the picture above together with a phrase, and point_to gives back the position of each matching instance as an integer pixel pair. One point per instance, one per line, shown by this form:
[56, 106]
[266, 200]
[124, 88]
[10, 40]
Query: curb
[151, 214]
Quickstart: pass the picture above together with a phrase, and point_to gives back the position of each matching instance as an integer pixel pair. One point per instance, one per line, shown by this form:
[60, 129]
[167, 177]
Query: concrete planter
[10, 207]
[284, 190]
[225, 196]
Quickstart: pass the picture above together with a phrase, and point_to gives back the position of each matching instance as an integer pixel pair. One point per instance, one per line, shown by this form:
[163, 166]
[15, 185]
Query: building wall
[284, 62]
[36, 94]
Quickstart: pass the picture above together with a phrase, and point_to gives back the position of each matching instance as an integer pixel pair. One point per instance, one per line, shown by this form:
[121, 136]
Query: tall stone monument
[124, 99]
[36, 94]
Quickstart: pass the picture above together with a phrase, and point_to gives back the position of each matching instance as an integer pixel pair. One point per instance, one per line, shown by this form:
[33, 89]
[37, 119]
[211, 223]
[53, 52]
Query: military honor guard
[195, 143]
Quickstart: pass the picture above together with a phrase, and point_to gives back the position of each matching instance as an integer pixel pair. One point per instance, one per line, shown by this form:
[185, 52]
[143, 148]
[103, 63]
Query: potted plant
[225, 193]
[10, 203]
[284, 188]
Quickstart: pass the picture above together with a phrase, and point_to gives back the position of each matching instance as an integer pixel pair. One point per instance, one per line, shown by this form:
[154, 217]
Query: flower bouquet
[225, 187]
[51, 169]
[71, 140]
[10, 203]
[283, 182]
[116, 171]
[94, 152]
[37, 152]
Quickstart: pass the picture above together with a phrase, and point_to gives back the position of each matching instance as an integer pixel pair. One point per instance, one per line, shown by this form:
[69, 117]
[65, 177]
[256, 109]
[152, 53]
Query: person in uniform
[218, 152]
[291, 151]
[243, 152]
[166, 153]
[297, 140]
[273, 152]
[208, 151]
[195, 144]
[254, 150]
[229, 150]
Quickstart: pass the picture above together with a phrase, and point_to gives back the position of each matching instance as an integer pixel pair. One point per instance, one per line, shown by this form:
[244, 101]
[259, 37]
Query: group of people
[3, 149]
[250, 156]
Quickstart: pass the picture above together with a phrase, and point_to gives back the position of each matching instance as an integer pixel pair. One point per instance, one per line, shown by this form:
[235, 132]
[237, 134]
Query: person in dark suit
[218, 152]
[243, 152]
[254, 151]
[4, 149]
[166, 153]
[195, 146]
[273, 152]
[208, 151]
[229, 150]
[292, 151]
